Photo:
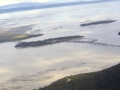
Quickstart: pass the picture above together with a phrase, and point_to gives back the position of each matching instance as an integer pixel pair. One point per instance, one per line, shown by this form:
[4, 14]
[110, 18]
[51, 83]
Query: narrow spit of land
[16, 33]
[108, 79]
[8, 37]
[46, 41]
[97, 22]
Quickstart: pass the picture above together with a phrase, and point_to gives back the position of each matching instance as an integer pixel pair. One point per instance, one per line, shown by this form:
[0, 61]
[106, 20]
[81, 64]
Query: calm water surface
[28, 68]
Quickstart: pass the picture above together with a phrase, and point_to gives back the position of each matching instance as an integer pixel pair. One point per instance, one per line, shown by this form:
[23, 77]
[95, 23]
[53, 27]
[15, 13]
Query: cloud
[5, 2]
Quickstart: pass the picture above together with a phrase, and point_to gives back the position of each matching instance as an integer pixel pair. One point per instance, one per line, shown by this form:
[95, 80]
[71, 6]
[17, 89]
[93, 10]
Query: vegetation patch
[16, 33]
[9, 37]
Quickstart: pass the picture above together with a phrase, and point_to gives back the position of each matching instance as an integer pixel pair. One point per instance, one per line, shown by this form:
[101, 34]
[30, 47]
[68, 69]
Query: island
[97, 22]
[49, 41]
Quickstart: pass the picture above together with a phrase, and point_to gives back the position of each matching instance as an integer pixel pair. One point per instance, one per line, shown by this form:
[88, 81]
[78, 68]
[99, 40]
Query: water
[29, 68]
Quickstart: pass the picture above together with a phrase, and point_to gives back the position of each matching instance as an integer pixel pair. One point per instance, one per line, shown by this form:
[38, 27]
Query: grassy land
[108, 79]
[9, 37]
[16, 33]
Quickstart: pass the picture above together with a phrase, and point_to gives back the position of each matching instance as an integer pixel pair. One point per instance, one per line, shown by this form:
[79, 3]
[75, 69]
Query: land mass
[108, 79]
[15, 37]
[46, 41]
[16, 33]
[97, 22]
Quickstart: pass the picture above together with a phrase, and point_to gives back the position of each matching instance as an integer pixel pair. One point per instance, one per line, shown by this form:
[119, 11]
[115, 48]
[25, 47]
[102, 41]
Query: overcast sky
[5, 2]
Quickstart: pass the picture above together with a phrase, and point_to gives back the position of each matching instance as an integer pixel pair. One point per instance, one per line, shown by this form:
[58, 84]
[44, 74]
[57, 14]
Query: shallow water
[25, 69]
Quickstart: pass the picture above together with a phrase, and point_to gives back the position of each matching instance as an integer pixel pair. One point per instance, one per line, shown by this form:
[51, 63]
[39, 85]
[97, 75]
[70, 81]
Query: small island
[97, 22]
[46, 41]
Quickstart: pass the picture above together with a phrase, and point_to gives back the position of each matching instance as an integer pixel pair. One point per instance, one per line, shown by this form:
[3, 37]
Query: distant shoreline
[47, 5]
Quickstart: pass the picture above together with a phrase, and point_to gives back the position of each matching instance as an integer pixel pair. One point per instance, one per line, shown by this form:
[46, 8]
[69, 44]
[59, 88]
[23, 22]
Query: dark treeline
[97, 22]
[46, 41]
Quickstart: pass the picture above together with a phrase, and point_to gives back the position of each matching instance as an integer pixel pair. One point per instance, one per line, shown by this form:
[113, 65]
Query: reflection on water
[37, 67]
[25, 69]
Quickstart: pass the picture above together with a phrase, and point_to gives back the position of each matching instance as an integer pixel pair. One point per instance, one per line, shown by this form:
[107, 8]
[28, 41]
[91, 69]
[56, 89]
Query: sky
[6, 2]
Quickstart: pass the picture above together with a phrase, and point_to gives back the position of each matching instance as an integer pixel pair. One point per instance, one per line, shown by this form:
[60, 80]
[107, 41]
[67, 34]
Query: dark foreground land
[97, 22]
[108, 79]
[46, 41]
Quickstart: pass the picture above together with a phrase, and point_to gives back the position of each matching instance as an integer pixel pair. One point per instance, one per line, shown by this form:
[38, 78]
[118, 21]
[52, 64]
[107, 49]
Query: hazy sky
[4, 2]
